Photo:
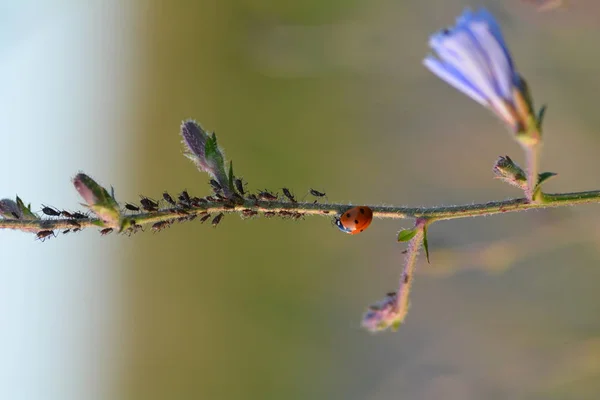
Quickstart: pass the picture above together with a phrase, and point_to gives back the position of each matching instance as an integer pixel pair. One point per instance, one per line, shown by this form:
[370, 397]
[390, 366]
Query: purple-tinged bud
[383, 315]
[203, 150]
[9, 209]
[98, 200]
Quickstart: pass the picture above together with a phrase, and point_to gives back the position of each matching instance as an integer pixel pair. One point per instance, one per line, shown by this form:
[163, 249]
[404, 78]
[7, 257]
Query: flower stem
[532, 152]
[406, 279]
[323, 209]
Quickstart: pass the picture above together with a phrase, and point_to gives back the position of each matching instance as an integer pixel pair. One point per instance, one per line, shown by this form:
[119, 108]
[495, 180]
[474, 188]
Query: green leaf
[26, 211]
[231, 176]
[544, 176]
[406, 234]
[211, 149]
[540, 116]
[426, 244]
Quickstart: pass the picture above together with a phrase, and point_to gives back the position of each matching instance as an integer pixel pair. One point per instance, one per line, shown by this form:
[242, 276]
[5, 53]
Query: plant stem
[532, 152]
[407, 277]
[324, 209]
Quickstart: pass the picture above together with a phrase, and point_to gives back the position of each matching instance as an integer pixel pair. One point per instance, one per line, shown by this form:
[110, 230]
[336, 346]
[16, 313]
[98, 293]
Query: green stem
[532, 153]
[261, 207]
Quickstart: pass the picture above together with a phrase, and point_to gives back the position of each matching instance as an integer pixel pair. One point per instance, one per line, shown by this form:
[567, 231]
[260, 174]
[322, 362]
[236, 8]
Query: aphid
[106, 231]
[159, 226]
[66, 214]
[179, 211]
[169, 199]
[267, 196]
[184, 197]
[50, 211]
[43, 235]
[390, 294]
[285, 213]
[136, 227]
[228, 205]
[14, 214]
[211, 199]
[252, 197]
[289, 195]
[216, 186]
[75, 224]
[237, 198]
[78, 215]
[76, 230]
[248, 212]
[239, 185]
[66, 231]
[148, 204]
[133, 228]
[203, 219]
[216, 220]
[196, 201]
[270, 214]
[355, 220]
[316, 193]
[131, 207]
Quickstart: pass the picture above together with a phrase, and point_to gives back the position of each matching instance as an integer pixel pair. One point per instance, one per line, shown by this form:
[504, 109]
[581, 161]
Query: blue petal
[460, 49]
[452, 76]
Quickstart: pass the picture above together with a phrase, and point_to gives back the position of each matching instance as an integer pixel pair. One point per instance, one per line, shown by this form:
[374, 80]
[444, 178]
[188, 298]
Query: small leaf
[231, 177]
[426, 244]
[540, 116]
[26, 211]
[544, 176]
[406, 234]
[210, 148]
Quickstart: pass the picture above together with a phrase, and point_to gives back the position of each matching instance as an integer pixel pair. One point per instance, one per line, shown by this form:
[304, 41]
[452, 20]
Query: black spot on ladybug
[356, 221]
[362, 210]
[348, 215]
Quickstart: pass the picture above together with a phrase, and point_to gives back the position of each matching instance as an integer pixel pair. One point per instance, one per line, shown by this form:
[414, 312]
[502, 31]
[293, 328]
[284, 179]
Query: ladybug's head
[341, 226]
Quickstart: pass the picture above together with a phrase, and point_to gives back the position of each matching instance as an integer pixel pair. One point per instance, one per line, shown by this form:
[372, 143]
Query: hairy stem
[532, 154]
[261, 207]
[410, 263]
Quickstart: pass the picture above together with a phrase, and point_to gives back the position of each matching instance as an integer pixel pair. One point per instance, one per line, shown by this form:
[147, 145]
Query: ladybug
[355, 220]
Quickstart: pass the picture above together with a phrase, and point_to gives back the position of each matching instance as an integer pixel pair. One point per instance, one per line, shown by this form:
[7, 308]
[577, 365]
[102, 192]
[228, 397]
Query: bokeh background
[323, 94]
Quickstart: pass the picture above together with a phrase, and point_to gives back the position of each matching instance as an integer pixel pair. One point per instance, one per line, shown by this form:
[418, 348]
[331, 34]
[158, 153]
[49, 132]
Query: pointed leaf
[426, 243]
[544, 176]
[540, 116]
[231, 177]
[406, 234]
[25, 211]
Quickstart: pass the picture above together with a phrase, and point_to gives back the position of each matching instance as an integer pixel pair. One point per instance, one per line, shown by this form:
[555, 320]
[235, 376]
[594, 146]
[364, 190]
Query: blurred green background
[332, 95]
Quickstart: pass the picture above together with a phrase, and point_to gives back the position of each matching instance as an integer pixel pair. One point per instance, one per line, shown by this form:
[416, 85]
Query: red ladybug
[355, 220]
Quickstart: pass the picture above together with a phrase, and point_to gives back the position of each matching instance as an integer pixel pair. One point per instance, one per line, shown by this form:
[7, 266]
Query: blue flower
[473, 57]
